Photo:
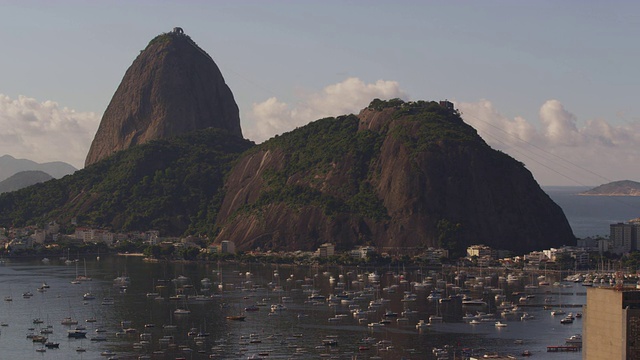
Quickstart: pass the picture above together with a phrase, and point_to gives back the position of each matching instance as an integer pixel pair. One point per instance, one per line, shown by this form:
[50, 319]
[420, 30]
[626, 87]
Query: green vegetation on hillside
[328, 161]
[428, 125]
[176, 185]
[316, 152]
[169, 185]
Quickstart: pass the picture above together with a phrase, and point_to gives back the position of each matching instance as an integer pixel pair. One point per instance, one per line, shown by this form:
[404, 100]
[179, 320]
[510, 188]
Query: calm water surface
[297, 332]
[592, 215]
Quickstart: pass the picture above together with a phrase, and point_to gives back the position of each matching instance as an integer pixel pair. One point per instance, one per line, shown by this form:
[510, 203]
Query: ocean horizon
[591, 216]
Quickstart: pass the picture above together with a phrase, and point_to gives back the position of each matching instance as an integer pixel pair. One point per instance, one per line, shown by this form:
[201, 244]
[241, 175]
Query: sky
[554, 84]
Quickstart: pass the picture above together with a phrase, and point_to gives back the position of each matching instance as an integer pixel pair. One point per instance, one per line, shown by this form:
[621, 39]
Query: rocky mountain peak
[172, 87]
[397, 175]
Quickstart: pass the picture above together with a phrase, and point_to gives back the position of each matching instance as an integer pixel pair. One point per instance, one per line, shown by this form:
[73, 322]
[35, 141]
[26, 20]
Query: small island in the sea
[616, 188]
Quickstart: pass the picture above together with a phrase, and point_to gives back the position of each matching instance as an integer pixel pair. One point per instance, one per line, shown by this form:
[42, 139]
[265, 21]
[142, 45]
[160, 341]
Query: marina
[245, 311]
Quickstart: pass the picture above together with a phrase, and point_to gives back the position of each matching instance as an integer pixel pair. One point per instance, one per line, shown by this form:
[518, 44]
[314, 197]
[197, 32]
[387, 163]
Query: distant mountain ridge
[616, 188]
[10, 166]
[170, 185]
[397, 175]
[23, 179]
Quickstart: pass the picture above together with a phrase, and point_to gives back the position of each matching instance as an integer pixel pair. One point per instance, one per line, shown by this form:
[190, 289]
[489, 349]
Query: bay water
[302, 331]
[297, 332]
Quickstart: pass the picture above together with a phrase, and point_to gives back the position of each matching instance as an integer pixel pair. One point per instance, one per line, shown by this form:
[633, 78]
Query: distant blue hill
[10, 166]
[616, 188]
[22, 180]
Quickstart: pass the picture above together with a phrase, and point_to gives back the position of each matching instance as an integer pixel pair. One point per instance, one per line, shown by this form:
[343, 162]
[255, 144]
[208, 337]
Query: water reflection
[202, 311]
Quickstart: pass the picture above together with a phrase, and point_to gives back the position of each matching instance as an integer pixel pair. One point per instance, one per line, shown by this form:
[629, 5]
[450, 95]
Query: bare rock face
[172, 87]
[397, 175]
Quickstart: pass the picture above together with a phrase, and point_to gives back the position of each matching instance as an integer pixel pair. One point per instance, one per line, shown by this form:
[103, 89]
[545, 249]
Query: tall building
[624, 237]
[611, 324]
[326, 250]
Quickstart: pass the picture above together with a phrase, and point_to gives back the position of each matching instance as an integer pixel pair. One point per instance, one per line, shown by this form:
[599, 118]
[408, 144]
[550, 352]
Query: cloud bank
[556, 147]
[560, 151]
[44, 131]
[272, 116]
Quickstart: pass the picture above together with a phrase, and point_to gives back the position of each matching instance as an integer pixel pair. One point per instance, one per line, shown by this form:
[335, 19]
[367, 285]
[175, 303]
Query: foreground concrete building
[611, 325]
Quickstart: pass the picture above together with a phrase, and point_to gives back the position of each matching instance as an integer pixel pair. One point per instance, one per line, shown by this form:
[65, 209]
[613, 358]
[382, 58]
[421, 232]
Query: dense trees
[169, 185]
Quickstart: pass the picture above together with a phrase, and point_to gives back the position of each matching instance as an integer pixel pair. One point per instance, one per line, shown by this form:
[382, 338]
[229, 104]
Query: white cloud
[559, 125]
[557, 148]
[44, 131]
[272, 116]
[559, 151]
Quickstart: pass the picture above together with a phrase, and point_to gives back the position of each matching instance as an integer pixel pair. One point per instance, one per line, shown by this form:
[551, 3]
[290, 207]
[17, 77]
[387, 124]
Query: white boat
[330, 342]
[181, 278]
[474, 302]
[469, 317]
[527, 316]
[84, 277]
[122, 280]
[475, 322]
[278, 307]
[435, 295]
[566, 320]
[574, 339]
[69, 321]
[421, 325]
[500, 324]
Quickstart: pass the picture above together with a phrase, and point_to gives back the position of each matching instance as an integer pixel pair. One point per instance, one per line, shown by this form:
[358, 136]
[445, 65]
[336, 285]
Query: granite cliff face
[172, 87]
[397, 175]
